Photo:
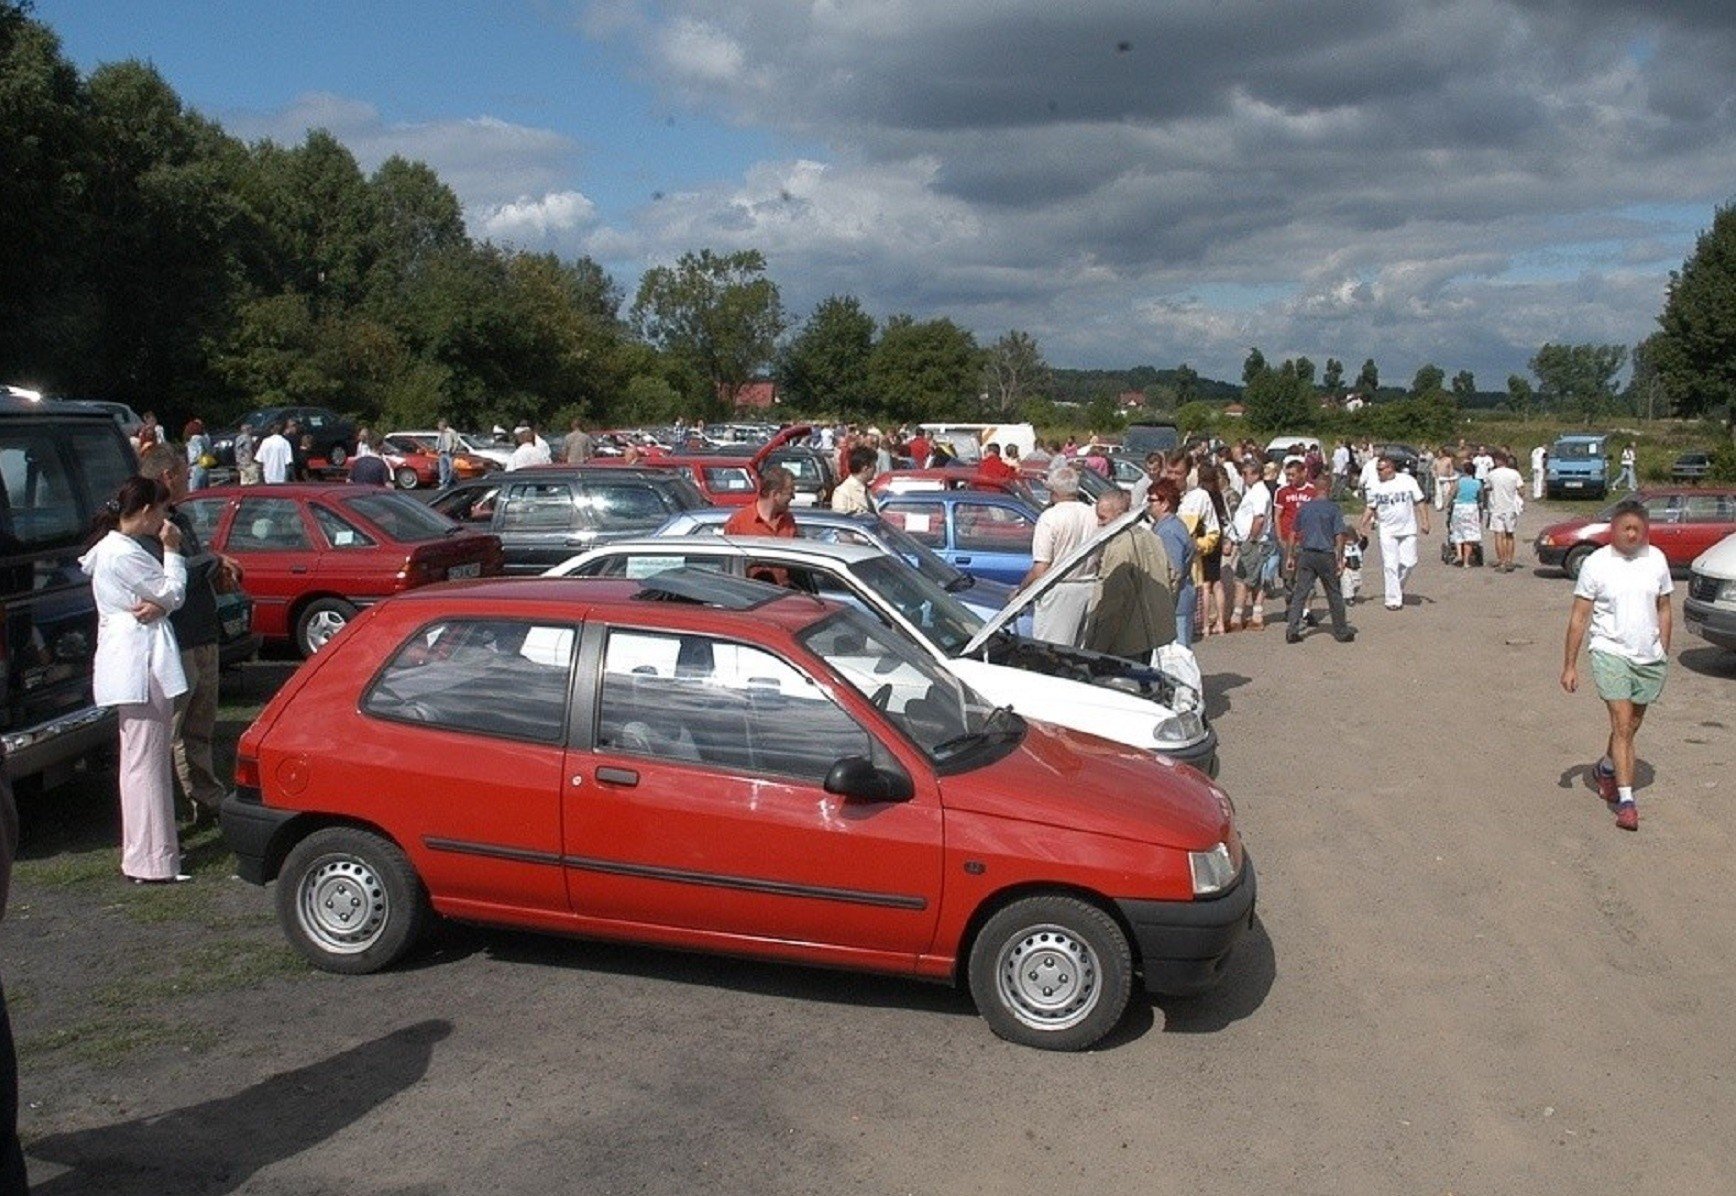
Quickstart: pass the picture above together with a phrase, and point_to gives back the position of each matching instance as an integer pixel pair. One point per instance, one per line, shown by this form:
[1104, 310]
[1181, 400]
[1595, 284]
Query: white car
[482, 446]
[1117, 699]
[1710, 608]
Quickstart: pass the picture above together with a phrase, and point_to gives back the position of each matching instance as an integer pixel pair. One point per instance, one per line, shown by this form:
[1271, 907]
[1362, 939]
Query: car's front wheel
[319, 621]
[350, 901]
[336, 456]
[406, 478]
[1576, 560]
[1051, 972]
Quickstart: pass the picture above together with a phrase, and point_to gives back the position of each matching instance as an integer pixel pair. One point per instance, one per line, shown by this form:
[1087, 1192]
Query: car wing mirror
[855, 778]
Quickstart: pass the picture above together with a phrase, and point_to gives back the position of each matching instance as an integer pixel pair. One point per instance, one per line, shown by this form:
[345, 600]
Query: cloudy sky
[1131, 181]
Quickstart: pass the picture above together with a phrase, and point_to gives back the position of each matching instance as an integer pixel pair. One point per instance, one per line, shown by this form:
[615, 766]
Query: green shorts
[1622, 680]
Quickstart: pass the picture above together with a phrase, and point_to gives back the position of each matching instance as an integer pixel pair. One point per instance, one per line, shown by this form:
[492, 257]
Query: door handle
[961, 560]
[298, 568]
[618, 776]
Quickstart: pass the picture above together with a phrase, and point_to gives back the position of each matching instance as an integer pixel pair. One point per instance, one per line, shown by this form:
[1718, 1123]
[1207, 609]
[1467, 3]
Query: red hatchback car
[1685, 522]
[714, 764]
[315, 553]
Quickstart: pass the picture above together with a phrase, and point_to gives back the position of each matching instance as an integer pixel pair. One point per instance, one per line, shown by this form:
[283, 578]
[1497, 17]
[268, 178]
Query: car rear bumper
[63, 740]
[1712, 624]
[250, 829]
[1185, 945]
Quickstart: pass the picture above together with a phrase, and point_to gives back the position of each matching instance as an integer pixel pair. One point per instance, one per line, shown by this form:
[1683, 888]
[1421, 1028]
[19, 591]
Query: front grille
[1702, 588]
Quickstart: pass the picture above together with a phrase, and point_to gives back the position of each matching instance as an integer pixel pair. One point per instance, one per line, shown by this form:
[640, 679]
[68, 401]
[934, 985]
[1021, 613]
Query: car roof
[562, 469]
[817, 516]
[781, 546]
[287, 490]
[731, 599]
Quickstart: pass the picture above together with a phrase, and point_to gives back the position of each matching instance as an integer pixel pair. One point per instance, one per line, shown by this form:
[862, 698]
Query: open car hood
[784, 436]
[1072, 563]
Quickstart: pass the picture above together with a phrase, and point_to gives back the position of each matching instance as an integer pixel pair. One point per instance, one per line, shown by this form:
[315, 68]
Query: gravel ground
[1463, 979]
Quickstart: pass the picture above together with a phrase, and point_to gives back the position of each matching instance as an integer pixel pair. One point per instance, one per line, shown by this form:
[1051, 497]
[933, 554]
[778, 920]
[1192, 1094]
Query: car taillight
[246, 771]
[417, 571]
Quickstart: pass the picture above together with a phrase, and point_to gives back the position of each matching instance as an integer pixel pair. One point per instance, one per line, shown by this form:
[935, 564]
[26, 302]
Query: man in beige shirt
[852, 497]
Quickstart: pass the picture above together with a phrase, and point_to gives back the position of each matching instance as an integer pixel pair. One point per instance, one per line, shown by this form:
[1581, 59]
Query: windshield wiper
[960, 584]
[986, 735]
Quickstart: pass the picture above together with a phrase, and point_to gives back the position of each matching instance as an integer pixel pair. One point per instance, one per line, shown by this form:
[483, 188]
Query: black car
[547, 514]
[1691, 467]
[334, 436]
[1407, 459]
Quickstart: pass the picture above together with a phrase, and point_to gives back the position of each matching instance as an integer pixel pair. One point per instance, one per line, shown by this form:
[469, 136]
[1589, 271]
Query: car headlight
[1213, 871]
[1726, 592]
[1179, 729]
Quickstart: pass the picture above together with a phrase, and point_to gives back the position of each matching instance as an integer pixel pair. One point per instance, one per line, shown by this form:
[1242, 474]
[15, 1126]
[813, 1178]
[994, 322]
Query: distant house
[756, 396]
[1354, 402]
[1235, 411]
[1129, 399]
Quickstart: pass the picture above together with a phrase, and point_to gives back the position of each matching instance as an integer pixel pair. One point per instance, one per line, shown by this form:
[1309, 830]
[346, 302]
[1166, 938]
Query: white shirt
[1061, 528]
[1255, 502]
[1394, 503]
[275, 457]
[1504, 486]
[1627, 457]
[1341, 459]
[1483, 463]
[851, 497]
[130, 653]
[1537, 457]
[1624, 592]
[1370, 473]
[1197, 512]
[527, 454]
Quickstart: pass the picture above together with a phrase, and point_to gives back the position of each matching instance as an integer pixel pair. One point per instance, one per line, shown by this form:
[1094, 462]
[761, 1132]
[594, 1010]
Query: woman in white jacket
[138, 668]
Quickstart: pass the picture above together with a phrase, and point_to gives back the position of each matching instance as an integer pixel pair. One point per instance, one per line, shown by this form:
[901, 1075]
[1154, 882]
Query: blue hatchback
[985, 534]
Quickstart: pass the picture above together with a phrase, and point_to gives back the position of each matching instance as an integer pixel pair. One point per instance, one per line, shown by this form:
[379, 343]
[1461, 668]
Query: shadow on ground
[1579, 776]
[1710, 662]
[1218, 687]
[1247, 980]
[218, 1145]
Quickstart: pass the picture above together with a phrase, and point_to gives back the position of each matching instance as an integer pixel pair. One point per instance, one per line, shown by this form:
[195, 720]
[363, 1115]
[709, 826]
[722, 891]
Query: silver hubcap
[343, 905]
[322, 627]
[1048, 978]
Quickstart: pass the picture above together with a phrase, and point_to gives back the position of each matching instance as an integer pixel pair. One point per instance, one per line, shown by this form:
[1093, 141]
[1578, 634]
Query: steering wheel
[882, 697]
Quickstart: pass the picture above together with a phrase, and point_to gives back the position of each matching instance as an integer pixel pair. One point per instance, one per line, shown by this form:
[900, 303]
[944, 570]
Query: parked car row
[1685, 521]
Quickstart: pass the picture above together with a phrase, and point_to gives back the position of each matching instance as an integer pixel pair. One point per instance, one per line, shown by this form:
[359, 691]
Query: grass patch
[68, 870]
[108, 1040]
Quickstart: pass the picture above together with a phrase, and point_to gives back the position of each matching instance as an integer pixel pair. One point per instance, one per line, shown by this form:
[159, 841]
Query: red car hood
[783, 437]
[1067, 778]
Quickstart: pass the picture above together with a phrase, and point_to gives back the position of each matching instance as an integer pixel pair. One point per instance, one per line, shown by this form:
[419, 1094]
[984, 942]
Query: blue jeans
[1185, 604]
[445, 460]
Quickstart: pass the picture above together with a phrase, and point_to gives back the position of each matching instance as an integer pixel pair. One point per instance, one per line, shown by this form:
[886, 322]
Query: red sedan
[415, 463]
[714, 764]
[1685, 520]
[314, 553]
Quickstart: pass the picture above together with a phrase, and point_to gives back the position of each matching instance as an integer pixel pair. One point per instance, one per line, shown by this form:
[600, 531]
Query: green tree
[1464, 386]
[824, 367]
[1694, 351]
[1187, 385]
[719, 312]
[1197, 417]
[1253, 366]
[1280, 400]
[1519, 394]
[924, 370]
[1368, 378]
[1578, 379]
[1428, 380]
[1646, 395]
[1333, 378]
[1013, 369]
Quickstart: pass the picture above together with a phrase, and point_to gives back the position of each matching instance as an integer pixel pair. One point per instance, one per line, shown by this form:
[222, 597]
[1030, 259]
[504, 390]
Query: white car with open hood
[1117, 699]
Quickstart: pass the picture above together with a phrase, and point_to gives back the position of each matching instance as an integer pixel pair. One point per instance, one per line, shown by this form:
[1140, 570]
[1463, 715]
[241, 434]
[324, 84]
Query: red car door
[276, 548]
[702, 807]
[1706, 519]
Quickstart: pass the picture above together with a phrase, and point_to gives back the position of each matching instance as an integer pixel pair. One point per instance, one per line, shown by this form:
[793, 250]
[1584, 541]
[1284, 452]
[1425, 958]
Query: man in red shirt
[768, 515]
[1290, 498]
[918, 450]
[994, 466]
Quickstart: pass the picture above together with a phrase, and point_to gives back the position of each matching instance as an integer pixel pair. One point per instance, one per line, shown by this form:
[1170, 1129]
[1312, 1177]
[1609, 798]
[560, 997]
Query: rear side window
[1707, 508]
[980, 527]
[205, 514]
[649, 564]
[55, 478]
[268, 525]
[493, 677]
[921, 521]
[729, 479]
[539, 507]
[338, 531]
[625, 505]
[404, 519]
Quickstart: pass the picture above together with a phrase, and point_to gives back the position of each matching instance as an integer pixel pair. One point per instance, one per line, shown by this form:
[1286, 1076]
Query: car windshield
[404, 519]
[688, 496]
[1577, 450]
[935, 710]
[923, 558]
[942, 619]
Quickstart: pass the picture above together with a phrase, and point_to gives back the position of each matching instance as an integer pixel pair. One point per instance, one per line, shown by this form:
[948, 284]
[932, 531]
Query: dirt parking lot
[1463, 979]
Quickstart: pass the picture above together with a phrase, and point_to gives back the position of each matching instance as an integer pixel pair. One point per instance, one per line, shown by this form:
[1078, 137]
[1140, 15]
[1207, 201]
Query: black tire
[350, 901]
[336, 455]
[319, 621]
[1576, 560]
[1051, 972]
[406, 478]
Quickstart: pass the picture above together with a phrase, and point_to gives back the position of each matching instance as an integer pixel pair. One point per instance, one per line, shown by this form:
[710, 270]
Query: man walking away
[1062, 527]
[276, 457]
[246, 466]
[1623, 597]
[1320, 537]
[446, 448]
[579, 446]
[1505, 504]
[1250, 530]
[1627, 480]
[1396, 500]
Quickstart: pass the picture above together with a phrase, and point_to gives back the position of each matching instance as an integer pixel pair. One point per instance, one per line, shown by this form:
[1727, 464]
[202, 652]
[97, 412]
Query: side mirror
[855, 778]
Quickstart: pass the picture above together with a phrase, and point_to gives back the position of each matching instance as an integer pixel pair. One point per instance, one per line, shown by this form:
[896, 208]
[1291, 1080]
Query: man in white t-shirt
[1066, 524]
[275, 456]
[1251, 533]
[1483, 463]
[1623, 597]
[1627, 479]
[528, 452]
[1505, 503]
[1539, 463]
[1396, 501]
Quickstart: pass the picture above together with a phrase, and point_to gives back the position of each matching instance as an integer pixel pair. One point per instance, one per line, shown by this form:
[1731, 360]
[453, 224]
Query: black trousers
[1312, 564]
[12, 1179]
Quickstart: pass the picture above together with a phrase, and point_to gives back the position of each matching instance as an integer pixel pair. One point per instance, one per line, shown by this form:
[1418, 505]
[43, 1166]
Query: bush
[1724, 463]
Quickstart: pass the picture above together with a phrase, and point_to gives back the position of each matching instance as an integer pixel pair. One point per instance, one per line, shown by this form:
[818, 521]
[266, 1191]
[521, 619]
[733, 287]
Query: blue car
[986, 598]
[985, 534]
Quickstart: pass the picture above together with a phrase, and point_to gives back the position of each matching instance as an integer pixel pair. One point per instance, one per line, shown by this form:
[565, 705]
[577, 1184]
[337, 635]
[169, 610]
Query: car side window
[471, 505]
[713, 702]
[981, 527]
[268, 525]
[1663, 509]
[495, 677]
[538, 507]
[650, 564]
[205, 514]
[338, 531]
[624, 506]
[925, 522]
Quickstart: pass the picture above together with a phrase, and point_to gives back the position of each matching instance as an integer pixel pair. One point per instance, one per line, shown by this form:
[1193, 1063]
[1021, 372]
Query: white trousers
[1537, 484]
[1060, 614]
[1398, 556]
[150, 848]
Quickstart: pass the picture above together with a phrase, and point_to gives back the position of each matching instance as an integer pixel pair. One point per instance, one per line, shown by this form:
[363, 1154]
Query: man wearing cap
[527, 453]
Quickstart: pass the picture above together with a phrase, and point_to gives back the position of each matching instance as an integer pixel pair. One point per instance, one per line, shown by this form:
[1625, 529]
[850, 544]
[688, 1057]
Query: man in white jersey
[1623, 597]
[1539, 461]
[275, 456]
[1396, 500]
[1505, 503]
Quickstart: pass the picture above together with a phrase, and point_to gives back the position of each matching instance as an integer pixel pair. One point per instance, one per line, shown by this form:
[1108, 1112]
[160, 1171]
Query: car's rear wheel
[1051, 972]
[319, 621]
[350, 901]
[1576, 560]
[406, 478]
[336, 455]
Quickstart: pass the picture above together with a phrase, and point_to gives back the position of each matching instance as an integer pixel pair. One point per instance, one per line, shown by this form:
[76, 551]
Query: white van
[966, 440]
[1710, 608]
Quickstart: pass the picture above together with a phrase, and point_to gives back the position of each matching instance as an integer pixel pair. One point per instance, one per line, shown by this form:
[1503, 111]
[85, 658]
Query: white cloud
[532, 221]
